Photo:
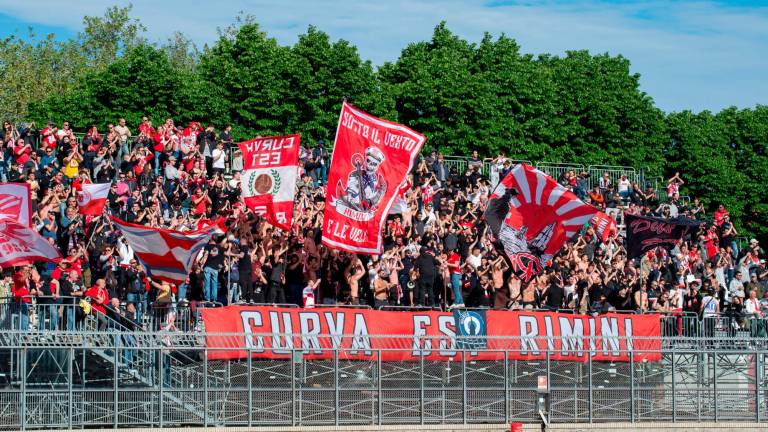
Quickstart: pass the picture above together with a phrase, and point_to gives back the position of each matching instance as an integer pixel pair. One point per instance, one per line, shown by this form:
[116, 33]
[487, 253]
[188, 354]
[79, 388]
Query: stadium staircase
[95, 364]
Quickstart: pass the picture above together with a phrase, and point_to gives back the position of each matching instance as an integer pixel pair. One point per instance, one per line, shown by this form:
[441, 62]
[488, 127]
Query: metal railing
[60, 384]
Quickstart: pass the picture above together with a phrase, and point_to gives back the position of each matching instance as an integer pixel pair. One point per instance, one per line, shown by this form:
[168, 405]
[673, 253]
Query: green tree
[337, 73]
[105, 38]
[143, 82]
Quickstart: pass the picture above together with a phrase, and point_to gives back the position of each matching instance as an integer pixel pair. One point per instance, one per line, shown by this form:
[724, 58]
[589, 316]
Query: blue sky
[691, 54]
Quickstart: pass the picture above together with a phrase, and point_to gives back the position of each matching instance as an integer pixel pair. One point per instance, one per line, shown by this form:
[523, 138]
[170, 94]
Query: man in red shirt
[454, 266]
[24, 286]
[48, 135]
[99, 298]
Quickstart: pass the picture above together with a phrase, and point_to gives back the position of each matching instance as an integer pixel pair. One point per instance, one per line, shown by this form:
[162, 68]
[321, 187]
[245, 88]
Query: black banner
[645, 233]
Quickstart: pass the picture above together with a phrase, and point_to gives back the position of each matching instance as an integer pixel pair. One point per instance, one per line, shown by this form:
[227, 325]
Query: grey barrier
[163, 379]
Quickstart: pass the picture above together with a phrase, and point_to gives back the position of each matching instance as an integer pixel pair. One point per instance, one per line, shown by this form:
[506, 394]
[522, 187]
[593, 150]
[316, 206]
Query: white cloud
[690, 54]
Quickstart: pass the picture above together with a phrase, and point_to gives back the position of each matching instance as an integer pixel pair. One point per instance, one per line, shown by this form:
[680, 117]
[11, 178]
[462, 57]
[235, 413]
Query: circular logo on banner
[471, 323]
[263, 183]
[83, 197]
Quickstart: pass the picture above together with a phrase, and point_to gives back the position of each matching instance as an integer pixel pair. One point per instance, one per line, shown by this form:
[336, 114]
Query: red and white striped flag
[604, 226]
[167, 254]
[93, 198]
[15, 203]
[21, 245]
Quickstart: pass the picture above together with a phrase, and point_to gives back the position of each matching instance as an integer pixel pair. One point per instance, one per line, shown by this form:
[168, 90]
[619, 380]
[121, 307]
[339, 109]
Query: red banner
[269, 177]
[271, 332]
[371, 158]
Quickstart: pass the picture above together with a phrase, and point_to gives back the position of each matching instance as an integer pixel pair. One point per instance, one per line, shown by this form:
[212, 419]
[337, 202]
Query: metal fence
[104, 379]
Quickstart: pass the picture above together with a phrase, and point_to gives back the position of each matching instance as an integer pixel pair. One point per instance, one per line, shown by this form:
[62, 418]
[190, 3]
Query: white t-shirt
[474, 260]
[220, 155]
[624, 185]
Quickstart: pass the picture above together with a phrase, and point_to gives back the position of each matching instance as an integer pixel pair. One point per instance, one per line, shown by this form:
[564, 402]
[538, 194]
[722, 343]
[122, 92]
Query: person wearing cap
[365, 186]
[320, 157]
[736, 286]
[171, 172]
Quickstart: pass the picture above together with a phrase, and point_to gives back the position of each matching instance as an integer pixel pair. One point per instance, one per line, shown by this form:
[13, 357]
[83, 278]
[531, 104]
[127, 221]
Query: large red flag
[270, 168]
[92, 199]
[371, 158]
[15, 203]
[532, 216]
[21, 245]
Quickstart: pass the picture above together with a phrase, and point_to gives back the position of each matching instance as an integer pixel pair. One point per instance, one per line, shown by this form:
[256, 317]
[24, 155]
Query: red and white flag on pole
[167, 254]
[531, 217]
[15, 203]
[371, 158]
[92, 198]
[268, 182]
[604, 226]
[21, 245]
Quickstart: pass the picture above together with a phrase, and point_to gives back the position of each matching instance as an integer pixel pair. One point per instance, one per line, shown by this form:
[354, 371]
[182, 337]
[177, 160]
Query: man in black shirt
[426, 264]
[213, 262]
[553, 298]
[246, 271]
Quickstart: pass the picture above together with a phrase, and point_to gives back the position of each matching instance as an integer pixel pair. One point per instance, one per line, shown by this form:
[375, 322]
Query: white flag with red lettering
[92, 198]
[15, 203]
[371, 158]
[21, 245]
[269, 176]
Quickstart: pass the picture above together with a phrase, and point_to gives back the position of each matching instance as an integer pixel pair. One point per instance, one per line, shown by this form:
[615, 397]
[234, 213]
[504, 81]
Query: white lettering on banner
[335, 327]
[360, 339]
[281, 217]
[251, 323]
[353, 124]
[310, 329]
[529, 330]
[399, 142]
[609, 332]
[628, 333]
[550, 333]
[572, 336]
[420, 324]
[260, 210]
[446, 324]
[592, 336]
[345, 232]
[267, 152]
[277, 331]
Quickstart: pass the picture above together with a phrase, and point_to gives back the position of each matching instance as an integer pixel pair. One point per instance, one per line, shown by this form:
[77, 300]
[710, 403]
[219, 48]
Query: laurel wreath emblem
[277, 181]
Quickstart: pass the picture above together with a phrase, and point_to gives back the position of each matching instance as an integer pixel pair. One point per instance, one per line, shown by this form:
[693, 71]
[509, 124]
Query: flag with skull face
[371, 158]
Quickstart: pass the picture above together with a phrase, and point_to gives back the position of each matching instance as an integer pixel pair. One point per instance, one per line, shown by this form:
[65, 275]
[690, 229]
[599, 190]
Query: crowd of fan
[437, 253]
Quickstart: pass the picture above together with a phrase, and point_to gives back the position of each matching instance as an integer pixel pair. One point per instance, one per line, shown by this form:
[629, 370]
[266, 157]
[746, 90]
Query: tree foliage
[487, 96]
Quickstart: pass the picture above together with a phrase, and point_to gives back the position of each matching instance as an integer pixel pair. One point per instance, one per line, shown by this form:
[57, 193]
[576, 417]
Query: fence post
[674, 389]
[589, 384]
[160, 360]
[205, 388]
[336, 386]
[70, 373]
[757, 384]
[464, 386]
[250, 387]
[631, 386]
[421, 387]
[115, 377]
[378, 385]
[293, 391]
[506, 387]
[714, 383]
[23, 414]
